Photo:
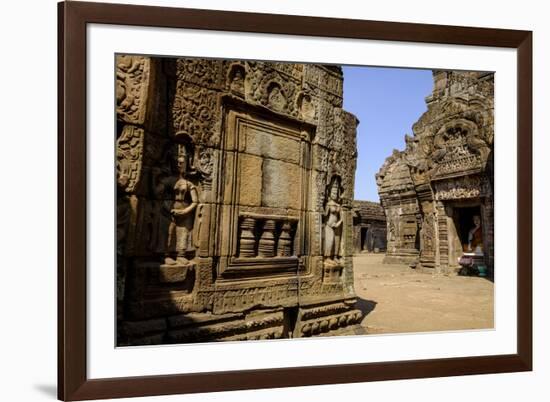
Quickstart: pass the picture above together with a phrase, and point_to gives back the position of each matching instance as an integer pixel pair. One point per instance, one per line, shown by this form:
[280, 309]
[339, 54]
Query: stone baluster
[266, 246]
[284, 247]
[247, 240]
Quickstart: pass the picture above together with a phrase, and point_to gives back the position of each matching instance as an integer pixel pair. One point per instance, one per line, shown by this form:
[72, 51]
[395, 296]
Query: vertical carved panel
[429, 240]
[129, 156]
[443, 237]
[132, 81]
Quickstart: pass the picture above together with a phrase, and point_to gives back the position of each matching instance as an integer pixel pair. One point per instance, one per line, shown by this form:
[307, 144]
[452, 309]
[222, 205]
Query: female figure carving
[333, 221]
[179, 199]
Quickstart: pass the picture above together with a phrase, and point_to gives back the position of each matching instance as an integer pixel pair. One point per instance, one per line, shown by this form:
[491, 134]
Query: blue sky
[387, 102]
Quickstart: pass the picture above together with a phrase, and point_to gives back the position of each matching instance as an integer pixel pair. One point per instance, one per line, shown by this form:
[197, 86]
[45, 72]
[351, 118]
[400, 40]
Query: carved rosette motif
[428, 234]
[204, 164]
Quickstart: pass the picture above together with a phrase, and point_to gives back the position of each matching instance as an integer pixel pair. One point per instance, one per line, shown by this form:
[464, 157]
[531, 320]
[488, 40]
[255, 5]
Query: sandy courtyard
[396, 298]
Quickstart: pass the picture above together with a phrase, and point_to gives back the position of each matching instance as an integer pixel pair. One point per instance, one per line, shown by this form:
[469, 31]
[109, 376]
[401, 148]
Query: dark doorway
[464, 222]
[364, 232]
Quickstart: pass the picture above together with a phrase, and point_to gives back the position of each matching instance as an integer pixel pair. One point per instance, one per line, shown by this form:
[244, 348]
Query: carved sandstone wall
[235, 189]
[445, 170]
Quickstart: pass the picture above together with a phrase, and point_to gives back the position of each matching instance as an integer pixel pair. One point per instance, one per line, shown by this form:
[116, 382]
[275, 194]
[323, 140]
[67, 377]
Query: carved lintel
[462, 188]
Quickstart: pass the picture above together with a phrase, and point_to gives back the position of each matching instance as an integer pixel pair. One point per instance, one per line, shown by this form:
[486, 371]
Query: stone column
[266, 247]
[247, 240]
[284, 247]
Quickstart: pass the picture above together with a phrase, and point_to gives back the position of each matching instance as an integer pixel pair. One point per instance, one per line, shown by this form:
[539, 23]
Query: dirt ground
[396, 298]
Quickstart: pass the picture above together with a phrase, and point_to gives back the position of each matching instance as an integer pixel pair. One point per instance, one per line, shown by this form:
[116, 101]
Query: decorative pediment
[458, 149]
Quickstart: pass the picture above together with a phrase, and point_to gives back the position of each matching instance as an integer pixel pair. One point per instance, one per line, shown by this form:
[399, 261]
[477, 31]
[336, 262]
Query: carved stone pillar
[442, 237]
[247, 240]
[284, 247]
[266, 247]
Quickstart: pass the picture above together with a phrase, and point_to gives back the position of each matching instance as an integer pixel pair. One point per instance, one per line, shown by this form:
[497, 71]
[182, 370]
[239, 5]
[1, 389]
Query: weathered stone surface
[434, 189]
[174, 273]
[251, 185]
[235, 187]
[279, 183]
[264, 143]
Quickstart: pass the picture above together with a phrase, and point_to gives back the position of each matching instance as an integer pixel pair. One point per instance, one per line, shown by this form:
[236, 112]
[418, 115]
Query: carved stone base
[157, 290]
[313, 318]
[326, 318]
[205, 327]
[174, 273]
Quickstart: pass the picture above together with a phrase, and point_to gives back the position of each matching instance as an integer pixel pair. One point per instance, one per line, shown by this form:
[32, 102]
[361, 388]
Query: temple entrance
[466, 240]
[469, 228]
[364, 243]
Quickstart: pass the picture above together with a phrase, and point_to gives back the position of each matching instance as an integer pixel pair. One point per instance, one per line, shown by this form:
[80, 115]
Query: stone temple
[369, 227]
[438, 193]
[235, 183]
